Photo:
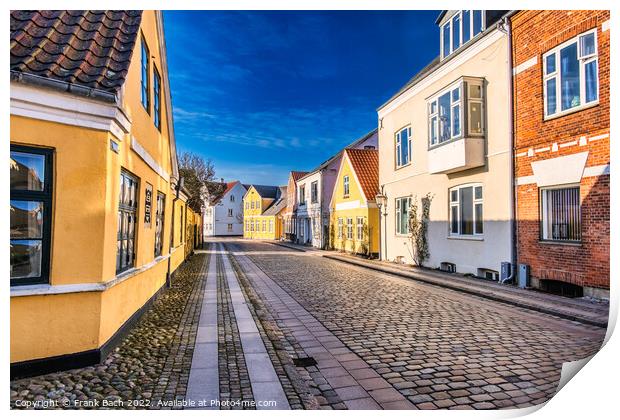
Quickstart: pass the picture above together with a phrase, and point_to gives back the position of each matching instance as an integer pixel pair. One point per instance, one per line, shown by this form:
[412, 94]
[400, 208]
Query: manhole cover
[304, 361]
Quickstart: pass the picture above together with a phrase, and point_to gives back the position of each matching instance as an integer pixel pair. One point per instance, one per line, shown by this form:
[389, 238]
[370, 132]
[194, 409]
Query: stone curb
[429, 280]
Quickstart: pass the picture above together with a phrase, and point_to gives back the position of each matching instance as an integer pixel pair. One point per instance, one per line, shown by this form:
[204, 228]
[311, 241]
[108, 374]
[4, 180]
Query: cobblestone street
[247, 322]
[438, 348]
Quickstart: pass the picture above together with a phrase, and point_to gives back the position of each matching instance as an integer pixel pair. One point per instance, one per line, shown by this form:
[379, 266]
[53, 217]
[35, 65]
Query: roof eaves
[62, 86]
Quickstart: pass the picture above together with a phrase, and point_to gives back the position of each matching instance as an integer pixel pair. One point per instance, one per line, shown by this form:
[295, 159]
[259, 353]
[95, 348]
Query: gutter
[62, 86]
[505, 26]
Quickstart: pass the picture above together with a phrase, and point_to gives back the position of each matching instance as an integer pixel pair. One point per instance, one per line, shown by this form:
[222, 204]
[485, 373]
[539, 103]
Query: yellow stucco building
[354, 216]
[263, 212]
[99, 221]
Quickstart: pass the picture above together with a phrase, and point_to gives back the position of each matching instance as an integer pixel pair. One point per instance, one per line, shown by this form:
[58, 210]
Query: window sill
[402, 166]
[560, 243]
[346, 196]
[571, 111]
[466, 237]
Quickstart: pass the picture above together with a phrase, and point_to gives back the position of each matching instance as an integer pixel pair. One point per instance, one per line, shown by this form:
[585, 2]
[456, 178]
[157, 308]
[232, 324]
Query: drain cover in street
[304, 361]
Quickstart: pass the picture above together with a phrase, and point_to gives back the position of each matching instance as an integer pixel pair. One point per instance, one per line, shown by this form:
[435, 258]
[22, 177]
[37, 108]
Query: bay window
[403, 147]
[466, 210]
[448, 109]
[402, 215]
[127, 217]
[570, 75]
[560, 214]
[30, 217]
[463, 26]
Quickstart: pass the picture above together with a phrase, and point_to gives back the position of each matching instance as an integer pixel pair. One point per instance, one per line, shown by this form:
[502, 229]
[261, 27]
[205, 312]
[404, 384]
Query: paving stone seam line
[363, 398]
[265, 383]
[203, 381]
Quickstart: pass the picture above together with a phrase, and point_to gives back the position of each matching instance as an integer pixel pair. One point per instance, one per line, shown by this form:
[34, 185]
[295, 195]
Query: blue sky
[264, 92]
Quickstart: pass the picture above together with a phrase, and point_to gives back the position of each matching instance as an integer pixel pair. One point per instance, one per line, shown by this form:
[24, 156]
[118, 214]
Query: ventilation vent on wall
[448, 267]
[487, 274]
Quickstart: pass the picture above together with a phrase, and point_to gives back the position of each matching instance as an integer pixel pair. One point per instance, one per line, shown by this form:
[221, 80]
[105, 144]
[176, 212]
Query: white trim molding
[348, 205]
[525, 65]
[561, 170]
[64, 108]
[47, 289]
[148, 159]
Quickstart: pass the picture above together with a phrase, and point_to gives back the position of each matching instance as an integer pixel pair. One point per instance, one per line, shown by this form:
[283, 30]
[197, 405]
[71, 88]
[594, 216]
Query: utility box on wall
[524, 276]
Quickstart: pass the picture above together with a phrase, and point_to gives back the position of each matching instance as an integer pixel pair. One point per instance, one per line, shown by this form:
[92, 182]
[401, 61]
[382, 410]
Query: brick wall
[535, 33]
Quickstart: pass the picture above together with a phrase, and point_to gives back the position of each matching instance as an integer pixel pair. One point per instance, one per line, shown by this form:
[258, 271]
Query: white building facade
[224, 216]
[447, 133]
[314, 192]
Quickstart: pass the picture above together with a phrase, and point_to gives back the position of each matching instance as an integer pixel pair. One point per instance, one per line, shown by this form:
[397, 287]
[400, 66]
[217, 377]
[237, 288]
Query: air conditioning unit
[448, 267]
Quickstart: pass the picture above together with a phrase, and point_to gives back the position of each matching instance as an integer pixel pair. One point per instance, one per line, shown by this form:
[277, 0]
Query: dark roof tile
[90, 48]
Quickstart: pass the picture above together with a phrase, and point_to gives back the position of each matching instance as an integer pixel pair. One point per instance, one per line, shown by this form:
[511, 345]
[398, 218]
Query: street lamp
[381, 200]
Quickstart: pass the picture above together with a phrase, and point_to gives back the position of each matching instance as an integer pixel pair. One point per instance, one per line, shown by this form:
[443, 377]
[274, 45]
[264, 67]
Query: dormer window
[463, 26]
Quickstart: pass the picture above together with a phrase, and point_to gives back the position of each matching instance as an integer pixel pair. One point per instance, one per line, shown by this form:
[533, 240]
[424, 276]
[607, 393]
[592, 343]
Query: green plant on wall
[365, 245]
[418, 228]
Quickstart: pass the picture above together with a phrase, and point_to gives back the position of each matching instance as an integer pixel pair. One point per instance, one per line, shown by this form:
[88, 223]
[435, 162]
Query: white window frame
[230, 212]
[359, 227]
[472, 33]
[346, 186]
[547, 236]
[457, 204]
[583, 61]
[433, 110]
[271, 225]
[349, 228]
[398, 146]
[340, 228]
[232, 198]
[399, 230]
[302, 195]
[229, 227]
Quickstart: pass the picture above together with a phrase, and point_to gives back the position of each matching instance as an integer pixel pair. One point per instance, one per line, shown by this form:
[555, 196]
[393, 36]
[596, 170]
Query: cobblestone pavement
[151, 364]
[438, 348]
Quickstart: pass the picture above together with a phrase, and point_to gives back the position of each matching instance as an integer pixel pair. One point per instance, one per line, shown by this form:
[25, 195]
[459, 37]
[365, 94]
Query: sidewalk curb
[284, 245]
[398, 273]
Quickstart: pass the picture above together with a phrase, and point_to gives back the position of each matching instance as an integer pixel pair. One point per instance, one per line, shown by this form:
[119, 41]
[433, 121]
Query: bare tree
[198, 174]
[418, 229]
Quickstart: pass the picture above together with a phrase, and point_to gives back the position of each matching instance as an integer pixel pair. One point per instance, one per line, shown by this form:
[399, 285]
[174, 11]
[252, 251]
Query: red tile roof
[87, 48]
[297, 174]
[229, 186]
[365, 163]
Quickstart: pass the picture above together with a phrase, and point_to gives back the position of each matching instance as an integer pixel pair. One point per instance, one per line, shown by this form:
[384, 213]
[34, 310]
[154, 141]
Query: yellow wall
[359, 208]
[84, 226]
[254, 215]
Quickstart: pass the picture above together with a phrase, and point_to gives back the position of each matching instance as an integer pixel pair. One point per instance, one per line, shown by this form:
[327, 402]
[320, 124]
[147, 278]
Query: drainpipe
[506, 27]
[177, 189]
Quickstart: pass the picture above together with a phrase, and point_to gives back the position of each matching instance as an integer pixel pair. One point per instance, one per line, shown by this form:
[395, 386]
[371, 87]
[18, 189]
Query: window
[258, 204]
[232, 198]
[560, 214]
[349, 228]
[403, 147]
[31, 203]
[345, 185]
[127, 216]
[302, 195]
[252, 204]
[156, 98]
[570, 77]
[270, 225]
[159, 223]
[446, 112]
[340, 228]
[230, 212]
[314, 192]
[360, 228]
[463, 26]
[181, 226]
[402, 215]
[145, 88]
[466, 210]
[229, 227]
[264, 226]
[251, 226]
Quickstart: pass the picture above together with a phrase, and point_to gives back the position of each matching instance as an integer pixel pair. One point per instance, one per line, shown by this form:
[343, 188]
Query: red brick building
[561, 123]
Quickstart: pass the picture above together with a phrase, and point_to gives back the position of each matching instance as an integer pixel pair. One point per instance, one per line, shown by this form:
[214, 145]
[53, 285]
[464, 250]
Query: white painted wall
[216, 218]
[487, 58]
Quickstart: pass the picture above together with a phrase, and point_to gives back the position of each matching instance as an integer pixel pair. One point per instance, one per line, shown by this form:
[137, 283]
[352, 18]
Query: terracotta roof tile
[89, 48]
[297, 174]
[365, 163]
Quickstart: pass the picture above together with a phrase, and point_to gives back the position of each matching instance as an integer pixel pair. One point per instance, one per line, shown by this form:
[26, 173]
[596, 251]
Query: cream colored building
[447, 133]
